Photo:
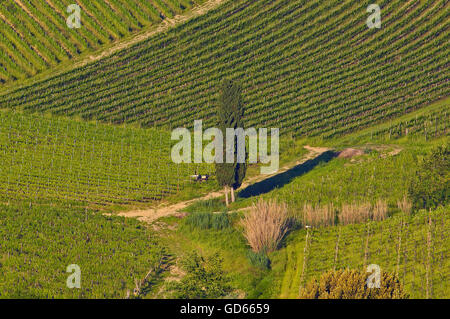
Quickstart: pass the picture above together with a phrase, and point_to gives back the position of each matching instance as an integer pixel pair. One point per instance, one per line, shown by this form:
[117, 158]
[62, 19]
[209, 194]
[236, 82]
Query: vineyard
[38, 243]
[308, 67]
[375, 175]
[427, 123]
[415, 247]
[46, 158]
[86, 116]
[34, 35]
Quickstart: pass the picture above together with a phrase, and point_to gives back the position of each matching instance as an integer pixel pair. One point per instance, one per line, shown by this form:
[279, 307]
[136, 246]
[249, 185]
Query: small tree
[265, 225]
[204, 278]
[229, 115]
[431, 185]
[352, 284]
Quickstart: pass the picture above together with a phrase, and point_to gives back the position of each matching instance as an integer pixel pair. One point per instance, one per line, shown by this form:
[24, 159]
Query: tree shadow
[284, 178]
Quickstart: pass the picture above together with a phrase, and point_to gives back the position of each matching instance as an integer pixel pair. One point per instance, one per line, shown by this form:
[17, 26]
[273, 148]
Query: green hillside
[56, 159]
[38, 243]
[313, 68]
[396, 245]
[34, 35]
[87, 177]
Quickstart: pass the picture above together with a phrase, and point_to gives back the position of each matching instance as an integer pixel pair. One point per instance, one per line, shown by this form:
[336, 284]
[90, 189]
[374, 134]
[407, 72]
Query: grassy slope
[343, 181]
[308, 67]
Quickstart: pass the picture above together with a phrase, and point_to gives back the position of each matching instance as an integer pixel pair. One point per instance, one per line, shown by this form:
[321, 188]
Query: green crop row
[309, 68]
[60, 159]
[39, 243]
[37, 30]
[415, 247]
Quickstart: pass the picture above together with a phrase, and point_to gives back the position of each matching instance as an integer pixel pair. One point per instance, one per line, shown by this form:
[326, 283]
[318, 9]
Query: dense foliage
[230, 112]
[352, 284]
[208, 220]
[204, 278]
[431, 184]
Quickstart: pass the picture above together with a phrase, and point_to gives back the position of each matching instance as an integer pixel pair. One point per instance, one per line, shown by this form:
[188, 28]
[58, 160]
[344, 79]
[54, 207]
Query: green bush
[431, 185]
[204, 278]
[351, 284]
[203, 220]
[259, 259]
[209, 205]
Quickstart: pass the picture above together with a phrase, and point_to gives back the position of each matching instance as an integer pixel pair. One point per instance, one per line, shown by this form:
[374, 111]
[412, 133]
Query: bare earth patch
[350, 152]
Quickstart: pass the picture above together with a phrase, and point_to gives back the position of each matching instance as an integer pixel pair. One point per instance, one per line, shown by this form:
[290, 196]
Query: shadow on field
[282, 179]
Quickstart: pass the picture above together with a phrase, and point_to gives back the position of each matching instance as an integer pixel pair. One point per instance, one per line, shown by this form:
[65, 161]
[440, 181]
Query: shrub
[204, 278]
[351, 284]
[265, 225]
[319, 216]
[259, 259]
[203, 220]
[209, 205]
[431, 185]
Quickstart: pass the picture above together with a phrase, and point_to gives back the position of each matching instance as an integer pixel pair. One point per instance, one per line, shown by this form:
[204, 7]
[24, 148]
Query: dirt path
[152, 214]
[162, 27]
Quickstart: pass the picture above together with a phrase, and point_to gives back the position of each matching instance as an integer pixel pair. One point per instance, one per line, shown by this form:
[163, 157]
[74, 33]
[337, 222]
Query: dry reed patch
[380, 211]
[319, 216]
[265, 225]
[405, 205]
[355, 213]
[360, 213]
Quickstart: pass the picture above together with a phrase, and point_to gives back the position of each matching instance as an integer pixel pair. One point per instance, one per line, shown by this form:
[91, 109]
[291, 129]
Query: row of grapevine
[38, 243]
[377, 175]
[46, 158]
[414, 247]
[35, 36]
[309, 68]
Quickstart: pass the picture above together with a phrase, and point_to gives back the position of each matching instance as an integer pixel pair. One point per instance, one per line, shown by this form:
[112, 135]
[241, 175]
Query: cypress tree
[230, 113]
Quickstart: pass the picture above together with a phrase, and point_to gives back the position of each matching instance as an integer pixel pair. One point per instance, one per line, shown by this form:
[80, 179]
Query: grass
[179, 237]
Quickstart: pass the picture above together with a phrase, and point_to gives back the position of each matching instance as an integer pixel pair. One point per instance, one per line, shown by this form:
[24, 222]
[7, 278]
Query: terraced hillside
[34, 34]
[309, 67]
